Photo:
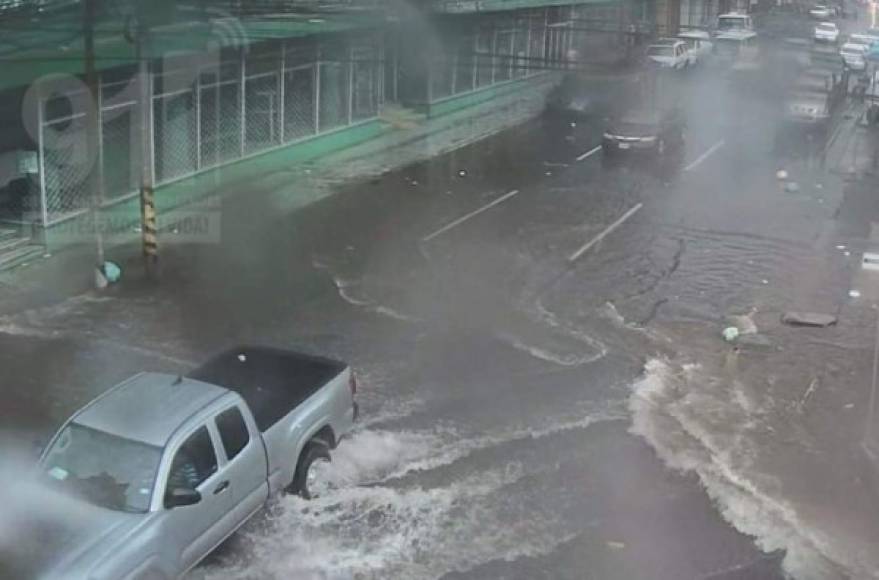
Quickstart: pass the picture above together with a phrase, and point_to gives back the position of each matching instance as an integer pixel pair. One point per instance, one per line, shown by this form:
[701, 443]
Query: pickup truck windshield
[103, 469]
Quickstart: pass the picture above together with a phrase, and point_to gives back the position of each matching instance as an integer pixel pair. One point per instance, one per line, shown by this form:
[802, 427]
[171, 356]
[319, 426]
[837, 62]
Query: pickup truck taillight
[352, 383]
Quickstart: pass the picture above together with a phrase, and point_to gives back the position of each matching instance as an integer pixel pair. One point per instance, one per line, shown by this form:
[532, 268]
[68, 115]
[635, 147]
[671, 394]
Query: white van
[734, 21]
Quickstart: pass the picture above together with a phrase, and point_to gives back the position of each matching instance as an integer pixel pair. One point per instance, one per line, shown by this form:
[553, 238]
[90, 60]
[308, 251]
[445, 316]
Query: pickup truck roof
[271, 381]
[148, 407]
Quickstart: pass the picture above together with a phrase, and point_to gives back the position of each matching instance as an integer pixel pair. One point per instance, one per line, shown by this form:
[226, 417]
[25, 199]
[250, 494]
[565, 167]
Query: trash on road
[870, 261]
[840, 246]
[462, 173]
[730, 333]
[854, 293]
[616, 545]
[743, 322]
[808, 319]
[112, 272]
[792, 187]
[765, 281]
[781, 174]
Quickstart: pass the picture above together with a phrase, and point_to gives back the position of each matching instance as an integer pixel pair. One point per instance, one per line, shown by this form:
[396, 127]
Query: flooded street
[544, 389]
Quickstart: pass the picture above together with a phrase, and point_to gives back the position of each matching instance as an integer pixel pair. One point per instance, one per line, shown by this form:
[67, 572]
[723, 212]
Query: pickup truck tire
[306, 482]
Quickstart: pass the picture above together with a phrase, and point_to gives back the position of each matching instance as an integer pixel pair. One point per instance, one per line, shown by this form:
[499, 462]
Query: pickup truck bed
[271, 381]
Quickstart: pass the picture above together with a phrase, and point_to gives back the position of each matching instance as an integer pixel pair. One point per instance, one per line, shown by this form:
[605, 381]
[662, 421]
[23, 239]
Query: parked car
[820, 12]
[645, 131]
[854, 56]
[669, 54]
[826, 32]
[868, 40]
[163, 468]
[699, 45]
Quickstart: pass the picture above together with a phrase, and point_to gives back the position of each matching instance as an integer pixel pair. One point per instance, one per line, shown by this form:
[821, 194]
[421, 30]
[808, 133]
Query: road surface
[543, 386]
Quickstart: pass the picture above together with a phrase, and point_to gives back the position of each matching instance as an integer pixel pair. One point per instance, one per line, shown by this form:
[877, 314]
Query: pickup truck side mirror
[181, 496]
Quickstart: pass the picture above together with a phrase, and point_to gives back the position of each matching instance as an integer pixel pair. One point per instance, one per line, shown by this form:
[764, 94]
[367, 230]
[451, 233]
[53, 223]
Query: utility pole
[94, 177]
[149, 231]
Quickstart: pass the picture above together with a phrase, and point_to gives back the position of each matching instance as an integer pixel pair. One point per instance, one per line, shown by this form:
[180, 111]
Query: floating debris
[808, 319]
[730, 333]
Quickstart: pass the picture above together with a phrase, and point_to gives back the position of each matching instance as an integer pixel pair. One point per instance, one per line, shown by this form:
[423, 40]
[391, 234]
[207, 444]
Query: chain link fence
[262, 98]
[66, 166]
[175, 135]
[299, 119]
[288, 93]
[121, 151]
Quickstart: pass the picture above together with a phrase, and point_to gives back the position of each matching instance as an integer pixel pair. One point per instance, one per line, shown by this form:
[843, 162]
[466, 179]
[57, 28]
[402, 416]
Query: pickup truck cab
[163, 468]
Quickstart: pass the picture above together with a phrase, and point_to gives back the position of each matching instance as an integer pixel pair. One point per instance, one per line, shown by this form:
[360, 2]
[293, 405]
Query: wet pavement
[526, 415]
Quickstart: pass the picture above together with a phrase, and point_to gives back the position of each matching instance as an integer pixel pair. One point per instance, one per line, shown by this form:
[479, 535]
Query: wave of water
[696, 431]
[374, 526]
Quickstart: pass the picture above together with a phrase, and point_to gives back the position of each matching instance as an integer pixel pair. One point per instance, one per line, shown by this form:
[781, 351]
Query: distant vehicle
[826, 32]
[854, 56]
[733, 45]
[163, 468]
[734, 21]
[811, 100]
[820, 12]
[868, 40]
[645, 131]
[671, 54]
[699, 45]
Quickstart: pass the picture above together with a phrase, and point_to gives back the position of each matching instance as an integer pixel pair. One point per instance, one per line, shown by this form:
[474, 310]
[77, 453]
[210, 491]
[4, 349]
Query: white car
[826, 32]
[854, 56]
[699, 45]
[670, 54]
[820, 12]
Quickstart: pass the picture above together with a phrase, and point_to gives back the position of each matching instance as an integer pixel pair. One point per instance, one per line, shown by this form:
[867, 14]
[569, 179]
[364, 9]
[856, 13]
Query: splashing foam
[381, 532]
[674, 420]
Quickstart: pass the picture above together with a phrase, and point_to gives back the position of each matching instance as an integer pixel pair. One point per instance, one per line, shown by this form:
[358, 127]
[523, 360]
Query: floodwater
[526, 415]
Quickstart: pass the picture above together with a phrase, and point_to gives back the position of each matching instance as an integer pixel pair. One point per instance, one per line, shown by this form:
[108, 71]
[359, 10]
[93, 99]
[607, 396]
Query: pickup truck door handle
[221, 487]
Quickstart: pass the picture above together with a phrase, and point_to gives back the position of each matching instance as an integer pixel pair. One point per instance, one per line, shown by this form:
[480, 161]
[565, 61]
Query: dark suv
[647, 131]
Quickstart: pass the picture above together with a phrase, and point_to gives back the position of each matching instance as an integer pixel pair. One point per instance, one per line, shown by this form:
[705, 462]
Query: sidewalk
[278, 180]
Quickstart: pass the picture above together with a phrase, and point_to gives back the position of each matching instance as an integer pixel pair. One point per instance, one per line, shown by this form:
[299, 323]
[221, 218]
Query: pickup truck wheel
[311, 479]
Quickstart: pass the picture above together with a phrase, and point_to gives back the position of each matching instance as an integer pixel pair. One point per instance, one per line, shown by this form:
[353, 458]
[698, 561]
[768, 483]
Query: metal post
[149, 230]
[871, 407]
[282, 91]
[243, 104]
[350, 66]
[198, 116]
[41, 113]
[316, 73]
[92, 129]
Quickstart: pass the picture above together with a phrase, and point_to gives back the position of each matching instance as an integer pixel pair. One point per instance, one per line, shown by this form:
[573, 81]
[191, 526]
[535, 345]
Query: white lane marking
[705, 155]
[573, 257]
[463, 219]
[589, 153]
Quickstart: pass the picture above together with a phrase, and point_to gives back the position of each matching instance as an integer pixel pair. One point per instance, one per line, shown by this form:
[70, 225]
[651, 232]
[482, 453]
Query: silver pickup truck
[162, 468]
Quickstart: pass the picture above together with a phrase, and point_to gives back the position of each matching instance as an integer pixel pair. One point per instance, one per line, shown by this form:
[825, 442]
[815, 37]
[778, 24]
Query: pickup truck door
[196, 529]
[245, 455]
